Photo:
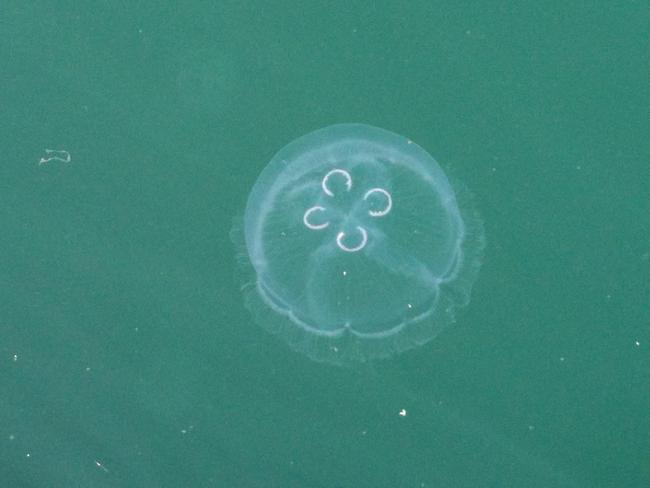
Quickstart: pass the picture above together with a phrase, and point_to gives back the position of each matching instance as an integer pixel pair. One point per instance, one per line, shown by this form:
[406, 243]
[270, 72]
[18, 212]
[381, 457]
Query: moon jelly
[355, 246]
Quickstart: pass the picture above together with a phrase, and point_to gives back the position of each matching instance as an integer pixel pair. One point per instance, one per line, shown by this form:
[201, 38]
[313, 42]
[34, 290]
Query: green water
[127, 357]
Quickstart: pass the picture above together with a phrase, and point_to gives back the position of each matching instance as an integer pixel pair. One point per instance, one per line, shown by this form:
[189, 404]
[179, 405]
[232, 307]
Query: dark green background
[127, 358]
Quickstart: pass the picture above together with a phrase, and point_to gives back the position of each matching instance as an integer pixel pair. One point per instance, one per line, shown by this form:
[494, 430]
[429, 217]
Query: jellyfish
[354, 245]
